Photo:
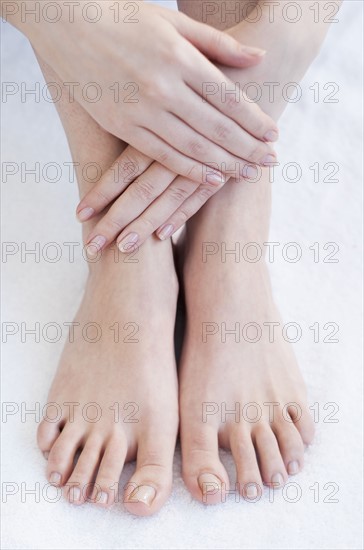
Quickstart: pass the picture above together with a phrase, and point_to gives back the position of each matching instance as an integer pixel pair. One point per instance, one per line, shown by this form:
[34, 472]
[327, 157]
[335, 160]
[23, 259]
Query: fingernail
[293, 467]
[55, 478]
[209, 484]
[249, 172]
[75, 494]
[143, 493]
[126, 245]
[272, 135]
[268, 159]
[277, 480]
[94, 247]
[251, 491]
[85, 214]
[102, 497]
[46, 454]
[216, 178]
[165, 231]
[250, 50]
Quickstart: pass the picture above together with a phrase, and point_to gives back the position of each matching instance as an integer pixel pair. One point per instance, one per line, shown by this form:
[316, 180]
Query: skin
[265, 451]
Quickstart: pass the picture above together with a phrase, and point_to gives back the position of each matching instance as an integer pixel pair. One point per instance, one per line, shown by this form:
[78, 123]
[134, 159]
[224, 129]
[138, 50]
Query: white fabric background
[308, 292]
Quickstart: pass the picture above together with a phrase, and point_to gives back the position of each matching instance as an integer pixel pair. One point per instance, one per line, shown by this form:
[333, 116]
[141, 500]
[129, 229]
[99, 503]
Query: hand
[160, 57]
[147, 194]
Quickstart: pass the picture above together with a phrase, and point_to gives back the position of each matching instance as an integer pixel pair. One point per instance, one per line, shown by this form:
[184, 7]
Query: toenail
[209, 484]
[46, 454]
[293, 467]
[277, 480]
[251, 491]
[143, 493]
[55, 478]
[102, 497]
[75, 494]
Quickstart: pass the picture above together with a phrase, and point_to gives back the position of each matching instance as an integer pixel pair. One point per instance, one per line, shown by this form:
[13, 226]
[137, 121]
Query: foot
[123, 386]
[237, 391]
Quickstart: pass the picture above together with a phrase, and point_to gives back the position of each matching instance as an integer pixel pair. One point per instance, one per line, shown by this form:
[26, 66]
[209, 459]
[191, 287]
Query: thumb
[218, 45]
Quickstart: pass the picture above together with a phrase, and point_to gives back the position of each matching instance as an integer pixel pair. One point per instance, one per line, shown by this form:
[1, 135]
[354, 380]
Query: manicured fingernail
[249, 172]
[75, 494]
[94, 246]
[272, 135]
[251, 491]
[46, 454]
[143, 493]
[128, 242]
[293, 467]
[253, 51]
[209, 483]
[268, 159]
[85, 214]
[55, 478]
[216, 178]
[102, 497]
[165, 231]
[277, 480]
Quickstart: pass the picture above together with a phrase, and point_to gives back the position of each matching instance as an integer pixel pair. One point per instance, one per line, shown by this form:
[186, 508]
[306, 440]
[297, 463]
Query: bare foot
[238, 390]
[123, 386]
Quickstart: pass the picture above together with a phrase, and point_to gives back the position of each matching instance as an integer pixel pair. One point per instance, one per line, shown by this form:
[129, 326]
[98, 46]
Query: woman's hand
[147, 195]
[158, 60]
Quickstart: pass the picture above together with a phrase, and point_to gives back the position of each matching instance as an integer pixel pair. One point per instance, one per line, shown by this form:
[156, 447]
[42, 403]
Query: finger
[129, 165]
[135, 199]
[173, 197]
[172, 159]
[221, 129]
[216, 44]
[226, 96]
[190, 206]
[194, 145]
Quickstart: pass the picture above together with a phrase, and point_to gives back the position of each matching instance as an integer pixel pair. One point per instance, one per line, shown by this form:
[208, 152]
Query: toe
[62, 455]
[151, 484]
[80, 483]
[271, 464]
[249, 481]
[291, 447]
[112, 463]
[203, 472]
[301, 418]
[46, 436]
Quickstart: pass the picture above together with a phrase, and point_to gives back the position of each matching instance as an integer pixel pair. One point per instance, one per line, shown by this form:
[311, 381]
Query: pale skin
[265, 451]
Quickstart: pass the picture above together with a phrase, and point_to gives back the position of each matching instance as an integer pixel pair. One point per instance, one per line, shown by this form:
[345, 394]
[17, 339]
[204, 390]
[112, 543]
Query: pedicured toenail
[209, 484]
[46, 454]
[55, 478]
[143, 493]
[277, 481]
[102, 497]
[251, 491]
[75, 494]
[293, 468]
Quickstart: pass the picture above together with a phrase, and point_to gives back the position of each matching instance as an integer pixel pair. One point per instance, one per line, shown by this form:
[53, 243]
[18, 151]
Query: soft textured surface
[308, 292]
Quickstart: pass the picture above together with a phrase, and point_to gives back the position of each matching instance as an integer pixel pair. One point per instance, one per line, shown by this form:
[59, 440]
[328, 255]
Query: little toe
[62, 454]
[302, 420]
[47, 434]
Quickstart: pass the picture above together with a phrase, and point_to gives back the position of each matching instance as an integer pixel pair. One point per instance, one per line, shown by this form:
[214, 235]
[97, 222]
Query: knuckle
[195, 173]
[222, 132]
[196, 148]
[112, 225]
[232, 103]
[255, 153]
[127, 168]
[143, 190]
[207, 191]
[183, 216]
[149, 225]
[163, 157]
[101, 196]
[178, 194]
